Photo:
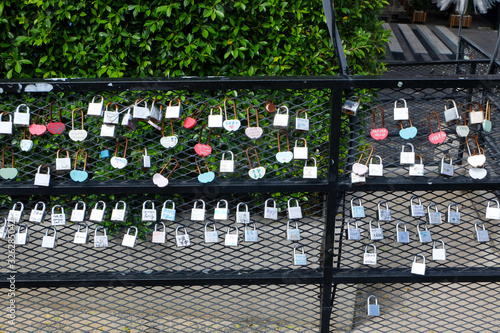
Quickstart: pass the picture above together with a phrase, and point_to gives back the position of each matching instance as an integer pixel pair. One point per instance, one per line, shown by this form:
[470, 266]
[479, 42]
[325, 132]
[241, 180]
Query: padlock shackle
[446, 155]
[381, 202]
[432, 205]
[48, 229]
[238, 207]
[487, 114]
[408, 144]
[296, 202]
[11, 154]
[118, 145]
[255, 154]
[315, 162]
[73, 118]
[370, 224]
[453, 204]
[224, 155]
[234, 107]
[103, 204]
[398, 224]
[150, 201]
[478, 107]
[287, 140]
[363, 152]
[198, 166]
[80, 202]
[301, 111]
[429, 120]
[438, 240]
[349, 224]
[359, 201]
[304, 140]
[256, 115]
[479, 223]
[22, 225]
[270, 199]
[223, 201]
[61, 149]
[175, 167]
[196, 202]
[374, 113]
[415, 258]
[165, 203]
[231, 227]
[18, 203]
[132, 228]
[122, 202]
[282, 107]
[208, 224]
[495, 201]
[84, 158]
[372, 246]
[40, 203]
[450, 101]
[179, 227]
[98, 228]
[297, 247]
[163, 224]
[415, 197]
[54, 208]
[251, 223]
[376, 156]
[420, 157]
[288, 224]
[400, 99]
[372, 297]
[418, 226]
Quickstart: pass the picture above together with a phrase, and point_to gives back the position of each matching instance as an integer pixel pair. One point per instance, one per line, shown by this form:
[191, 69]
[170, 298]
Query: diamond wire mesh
[463, 251]
[272, 251]
[315, 102]
[281, 308]
[418, 307]
[420, 102]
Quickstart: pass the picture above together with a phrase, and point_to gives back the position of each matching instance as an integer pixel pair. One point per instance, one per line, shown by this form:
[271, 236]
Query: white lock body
[418, 267]
[211, 234]
[95, 109]
[159, 236]
[198, 214]
[22, 119]
[270, 213]
[370, 258]
[221, 213]
[401, 112]
[292, 234]
[227, 165]
[168, 214]
[299, 258]
[118, 214]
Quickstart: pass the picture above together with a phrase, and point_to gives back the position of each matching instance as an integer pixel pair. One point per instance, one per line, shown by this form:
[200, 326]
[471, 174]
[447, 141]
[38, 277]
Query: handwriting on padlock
[56, 128]
[118, 162]
[437, 138]
[202, 149]
[253, 132]
[169, 141]
[379, 133]
[257, 173]
[231, 125]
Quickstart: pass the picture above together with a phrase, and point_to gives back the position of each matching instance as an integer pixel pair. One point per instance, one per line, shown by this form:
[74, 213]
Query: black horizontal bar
[490, 274]
[185, 278]
[422, 184]
[254, 82]
[182, 187]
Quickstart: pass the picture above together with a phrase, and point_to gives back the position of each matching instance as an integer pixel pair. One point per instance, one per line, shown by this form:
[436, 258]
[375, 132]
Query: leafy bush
[104, 38]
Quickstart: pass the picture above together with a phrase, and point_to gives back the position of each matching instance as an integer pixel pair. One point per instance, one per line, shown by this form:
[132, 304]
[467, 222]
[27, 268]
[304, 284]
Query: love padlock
[74, 134]
[283, 156]
[424, 235]
[37, 214]
[433, 216]
[353, 233]
[171, 140]
[108, 131]
[361, 169]
[231, 239]
[211, 236]
[63, 163]
[438, 253]
[446, 169]
[255, 173]
[437, 137]
[270, 212]
[416, 209]
[493, 212]
[198, 214]
[417, 169]
[376, 169]
[118, 214]
[378, 133]
[215, 120]
[231, 125]
[95, 108]
[418, 267]
[129, 239]
[42, 179]
[128, 120]
[174, 111]
[5, 126]
[204, 177]
[79, 175]
[97, 213]
[100, 240]
[146, 160]
[453, 216]
[81, 237]
[182, 239]
[141, 112]
[16, 213]
[300, 153]
[370, 258]
[482, 234]
[227, 165]
[407, 157]
[168, 213]
[242, 216]
[78, 213]
[148, 214]
[191, 121]
[476, 114]
[22, 119]
[351, 105]
[384, 214]
[408, 132]
[203, 149]
[373, 309]
[281, 120]
[221, 213]
[402, 236]
[111, 117]
[119, 162]
[155, 113]
[159, 236]
[160, 180]
[299, 258]
[401, 112]
[253, 132]
[58, 218]
[462, 130]
[38, 129]
[21, 238]
[251, 234]
[292, 234]
[49, 241]
[451, 113]
[357, 211]
[376, 233]
[301, 124]
[294, 212]
[55, 127]
[310, 172]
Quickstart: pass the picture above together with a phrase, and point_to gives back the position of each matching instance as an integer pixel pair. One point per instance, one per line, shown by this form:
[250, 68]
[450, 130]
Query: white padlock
[129, 239]
[129, 121]
[299, 259]
[4, 229]
[140, 112]
[270, 213]
[108, 131]
[42, 179]
[376, 233]
[182, 239]
[418, 267]
[78, 213]
[424, 235]
[242, 216]
[438, 253]
[111, 117]
[301, 124]
[384, 214]
[97, 214]
[357, 211]
[294, 212]
[100, 240]
[310, 172]
[159, 236]
[221, 213]
[351, 106]
[416, 210]
[16, 213]
[417, 169]
[402, 236]
[118, 214]
[227, 165]
[292, 234]
[453, 216]
[353, 233]
[300, 153]
[231, 239]
[95, 108]
[198, 214]
[434, 217]
[451, 114]
[370, 258]
[37, 214]
[251, 234]
[5, 126]
[446, 169]
[407, 157]
[168, 214]
[22, 118]
[215, 120]
[482, 235]
[174, 111]
[493, 213]
[49, 241]
[58, 218]
[81, 237]
[211, 236]
[63, 163]
[155, 113]
[21, 238]
[148, 214]
[281, 119]
[376, 169]
[401, 113]
[146, 160]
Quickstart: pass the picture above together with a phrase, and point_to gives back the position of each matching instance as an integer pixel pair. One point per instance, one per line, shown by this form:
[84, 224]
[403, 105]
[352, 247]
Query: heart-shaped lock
[478, 173]
[478, 159]
[382, 132]
[409, 132]
[190, 122]
[284, 156]
[79, 175]
[231, 125]
[77, 135]
[160, 180]
[203, 149]
[255, 173]
[361, 169]
[55, 127]
[253, 132]
[119, 162]
[37, 129]
[462, 130]
[205, 177]
[26, 145]
[168, 141]
[8, 173]
[438, 137]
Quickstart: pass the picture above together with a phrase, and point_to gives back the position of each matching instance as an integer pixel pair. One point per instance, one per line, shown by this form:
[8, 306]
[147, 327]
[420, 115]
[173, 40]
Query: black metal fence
[231, 275]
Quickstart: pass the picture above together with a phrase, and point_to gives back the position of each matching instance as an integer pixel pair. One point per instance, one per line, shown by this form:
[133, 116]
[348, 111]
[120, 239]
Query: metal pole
[335, 36]
[494, 54]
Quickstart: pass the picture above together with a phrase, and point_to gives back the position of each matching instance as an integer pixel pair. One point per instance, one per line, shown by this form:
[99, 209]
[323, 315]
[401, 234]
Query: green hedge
[104, 38]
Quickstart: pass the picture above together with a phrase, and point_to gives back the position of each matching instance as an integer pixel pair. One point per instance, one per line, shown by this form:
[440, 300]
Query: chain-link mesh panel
[421, 103]
[437, 69]
[250, 105]
[464, 250]
[271, 250]
[417, 307]
[278, 308]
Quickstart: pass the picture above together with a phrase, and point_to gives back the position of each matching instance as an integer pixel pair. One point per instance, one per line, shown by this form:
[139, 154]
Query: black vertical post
[335, 36]
[332, 204]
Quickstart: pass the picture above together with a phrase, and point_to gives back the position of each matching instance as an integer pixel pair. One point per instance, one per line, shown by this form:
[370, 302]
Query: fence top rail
[235, 82]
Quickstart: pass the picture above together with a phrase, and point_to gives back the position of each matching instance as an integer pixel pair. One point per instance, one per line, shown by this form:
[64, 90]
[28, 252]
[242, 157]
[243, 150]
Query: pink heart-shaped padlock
[189, 122]
[36, 129]
[202, 149]
[437, 138]
[379, 133]
[56, 128]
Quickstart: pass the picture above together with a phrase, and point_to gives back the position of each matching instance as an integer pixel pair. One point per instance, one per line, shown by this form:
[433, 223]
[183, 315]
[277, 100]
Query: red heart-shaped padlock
[379, 133]
[437, 138]
[36, 129]
[56, 128]
[189, 122]
[202, 149]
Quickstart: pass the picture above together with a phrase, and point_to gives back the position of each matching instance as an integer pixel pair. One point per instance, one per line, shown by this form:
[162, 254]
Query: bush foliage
[105, 38]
